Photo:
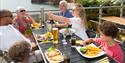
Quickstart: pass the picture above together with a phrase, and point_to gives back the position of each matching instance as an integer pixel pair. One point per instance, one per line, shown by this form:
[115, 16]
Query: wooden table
[114, 19]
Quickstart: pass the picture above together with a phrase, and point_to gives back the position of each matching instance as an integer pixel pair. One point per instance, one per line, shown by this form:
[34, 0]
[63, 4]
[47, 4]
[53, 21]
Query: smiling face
[63, 7]
[75, 12]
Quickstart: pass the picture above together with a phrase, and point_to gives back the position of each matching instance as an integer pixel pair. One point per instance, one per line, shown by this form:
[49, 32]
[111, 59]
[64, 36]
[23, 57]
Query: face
[74, 11]
[62, 7]
[102, 36]
[22, 12]
[6, 20]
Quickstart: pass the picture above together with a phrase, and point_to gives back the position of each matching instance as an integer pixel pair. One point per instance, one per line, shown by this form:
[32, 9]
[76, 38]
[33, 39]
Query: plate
[47, 37]
[59, 58]
[67, 30]
[84, 55]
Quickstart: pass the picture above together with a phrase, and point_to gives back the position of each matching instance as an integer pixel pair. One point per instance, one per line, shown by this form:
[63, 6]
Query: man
[63, 12]
[8, 34]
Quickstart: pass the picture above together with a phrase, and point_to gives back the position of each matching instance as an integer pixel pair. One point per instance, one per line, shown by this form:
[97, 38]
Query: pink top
[22, 22]
[114, 51]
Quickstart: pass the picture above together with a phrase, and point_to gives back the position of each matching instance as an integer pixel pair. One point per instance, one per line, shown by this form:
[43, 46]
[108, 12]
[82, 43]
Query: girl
[108, 31]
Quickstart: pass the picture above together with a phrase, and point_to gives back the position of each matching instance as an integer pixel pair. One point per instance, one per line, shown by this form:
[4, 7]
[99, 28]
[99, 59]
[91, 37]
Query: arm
[90, 40]
[29, 18]
[58, 18]
[62, 25]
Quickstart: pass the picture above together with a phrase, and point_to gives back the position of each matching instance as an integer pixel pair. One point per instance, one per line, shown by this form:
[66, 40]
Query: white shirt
[79, 28]
[8, 36]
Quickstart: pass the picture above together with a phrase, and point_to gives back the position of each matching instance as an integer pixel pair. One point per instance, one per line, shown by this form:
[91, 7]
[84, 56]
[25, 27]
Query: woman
[77, 22]
[22, 19]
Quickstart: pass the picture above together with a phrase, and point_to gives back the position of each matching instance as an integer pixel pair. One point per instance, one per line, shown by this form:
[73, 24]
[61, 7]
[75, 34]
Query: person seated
[22, 20]
[6, 17]
[77, 22]
[63, 12]
[21, 51]
[108, 31]
[8, 33]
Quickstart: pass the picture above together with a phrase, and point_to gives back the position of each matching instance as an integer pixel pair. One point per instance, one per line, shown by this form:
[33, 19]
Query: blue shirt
[67, 14]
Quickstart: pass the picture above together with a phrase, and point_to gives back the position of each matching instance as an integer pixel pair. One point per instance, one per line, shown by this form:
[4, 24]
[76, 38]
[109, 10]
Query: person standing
[78, 21]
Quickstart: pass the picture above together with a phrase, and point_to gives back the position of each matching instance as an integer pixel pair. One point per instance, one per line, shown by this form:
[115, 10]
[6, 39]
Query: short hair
[19, 51]
[19, 8]
[5, 13]
[108, 29]
[63, 1]
[8, 14]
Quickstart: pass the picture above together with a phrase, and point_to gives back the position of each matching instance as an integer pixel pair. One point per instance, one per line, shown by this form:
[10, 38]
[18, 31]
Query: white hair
[64, 2]
[19, 8]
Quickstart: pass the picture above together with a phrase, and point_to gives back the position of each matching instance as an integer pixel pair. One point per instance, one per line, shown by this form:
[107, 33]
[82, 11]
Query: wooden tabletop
[114, 19]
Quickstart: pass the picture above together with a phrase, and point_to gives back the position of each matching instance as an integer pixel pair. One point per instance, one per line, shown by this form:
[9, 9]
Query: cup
[55, 32]
[66, 59]
[73, 41]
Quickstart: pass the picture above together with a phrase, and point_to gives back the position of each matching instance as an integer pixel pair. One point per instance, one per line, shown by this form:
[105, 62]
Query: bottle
[66, 54]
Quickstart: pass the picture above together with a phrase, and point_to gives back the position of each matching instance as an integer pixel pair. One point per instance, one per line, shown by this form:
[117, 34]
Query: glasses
[22, 10]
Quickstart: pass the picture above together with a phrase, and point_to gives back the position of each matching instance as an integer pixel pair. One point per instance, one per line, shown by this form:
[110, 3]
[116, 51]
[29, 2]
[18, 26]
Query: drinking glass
[64, 38]
[55, 32]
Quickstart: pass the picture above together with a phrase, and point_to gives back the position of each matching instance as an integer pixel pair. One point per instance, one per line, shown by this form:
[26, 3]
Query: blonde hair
[82, 13]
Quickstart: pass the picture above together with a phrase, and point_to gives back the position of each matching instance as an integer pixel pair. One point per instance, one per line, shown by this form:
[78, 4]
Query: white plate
[98, 55]
[49, 60]
[64, 30]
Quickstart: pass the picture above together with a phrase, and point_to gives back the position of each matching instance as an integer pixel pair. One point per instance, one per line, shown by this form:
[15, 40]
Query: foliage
[87, 3]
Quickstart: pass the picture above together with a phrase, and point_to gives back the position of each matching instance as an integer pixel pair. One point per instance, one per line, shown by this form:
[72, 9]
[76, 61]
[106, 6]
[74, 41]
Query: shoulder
[74, 19]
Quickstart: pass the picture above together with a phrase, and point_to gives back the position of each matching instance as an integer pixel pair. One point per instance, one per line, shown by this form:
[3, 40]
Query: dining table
[73, 54]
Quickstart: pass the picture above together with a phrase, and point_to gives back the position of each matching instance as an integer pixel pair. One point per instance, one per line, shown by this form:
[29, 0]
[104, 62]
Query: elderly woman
[22, 19]
[21, 52]
[78, 21]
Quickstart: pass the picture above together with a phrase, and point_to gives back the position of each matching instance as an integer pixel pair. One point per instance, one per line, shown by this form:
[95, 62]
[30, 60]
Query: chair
[4, 56]
[91, 33]
[122, 45]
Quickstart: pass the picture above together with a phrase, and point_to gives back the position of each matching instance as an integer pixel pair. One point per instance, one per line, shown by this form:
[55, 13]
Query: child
[108, 31]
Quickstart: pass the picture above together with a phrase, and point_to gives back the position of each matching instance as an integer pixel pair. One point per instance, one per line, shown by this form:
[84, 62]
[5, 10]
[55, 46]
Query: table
[114, 19]
[75, 57]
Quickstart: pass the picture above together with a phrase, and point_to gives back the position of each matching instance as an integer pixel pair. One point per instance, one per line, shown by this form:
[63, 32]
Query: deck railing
[42, 11]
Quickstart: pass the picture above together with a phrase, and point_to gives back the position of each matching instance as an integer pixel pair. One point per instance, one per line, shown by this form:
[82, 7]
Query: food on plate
[45, 37]
[54, 55]
[35, 25]
[48, 34]
[90, 50]
[83, 50]
[57, 58]
[67, 30]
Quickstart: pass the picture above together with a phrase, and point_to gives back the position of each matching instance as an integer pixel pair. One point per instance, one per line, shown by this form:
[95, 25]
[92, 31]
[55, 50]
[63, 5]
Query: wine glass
[64, 38]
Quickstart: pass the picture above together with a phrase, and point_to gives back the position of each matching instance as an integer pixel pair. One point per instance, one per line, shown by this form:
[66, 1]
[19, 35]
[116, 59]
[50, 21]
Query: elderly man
[63, 12]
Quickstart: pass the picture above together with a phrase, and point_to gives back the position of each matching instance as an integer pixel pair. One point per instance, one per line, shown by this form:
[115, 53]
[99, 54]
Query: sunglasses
[22, 10]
